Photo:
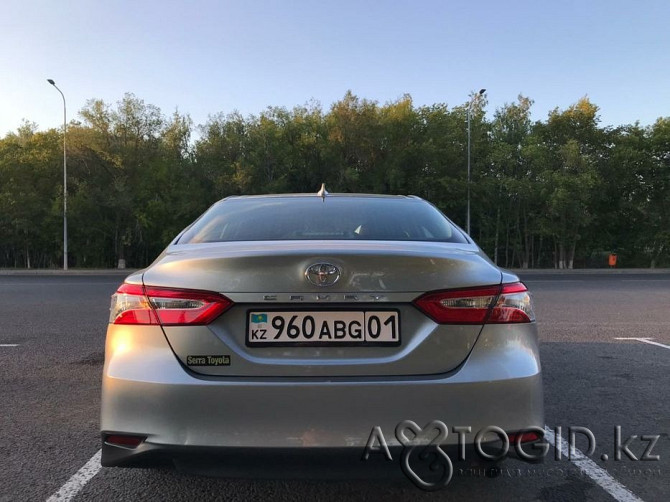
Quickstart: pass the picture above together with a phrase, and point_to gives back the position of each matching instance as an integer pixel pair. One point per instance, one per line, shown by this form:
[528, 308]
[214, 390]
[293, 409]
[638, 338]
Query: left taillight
[137, 304]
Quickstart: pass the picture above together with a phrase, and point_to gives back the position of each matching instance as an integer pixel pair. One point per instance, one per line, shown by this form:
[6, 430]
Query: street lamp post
[474, 98]
[64, 176]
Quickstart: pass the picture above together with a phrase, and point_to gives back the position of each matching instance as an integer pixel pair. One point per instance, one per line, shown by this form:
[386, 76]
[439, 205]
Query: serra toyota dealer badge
[223, 360]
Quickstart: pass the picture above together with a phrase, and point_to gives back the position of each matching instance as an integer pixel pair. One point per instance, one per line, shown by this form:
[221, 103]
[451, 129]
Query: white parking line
[592, 470]
[646, 340]
[9, 344]
[78, 480]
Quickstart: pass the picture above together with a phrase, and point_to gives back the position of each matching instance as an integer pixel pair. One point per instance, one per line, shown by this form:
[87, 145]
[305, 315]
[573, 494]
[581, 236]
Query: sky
[206, 57]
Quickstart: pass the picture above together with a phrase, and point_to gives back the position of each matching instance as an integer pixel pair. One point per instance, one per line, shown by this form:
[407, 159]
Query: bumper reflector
[523, 437]
[124, 441]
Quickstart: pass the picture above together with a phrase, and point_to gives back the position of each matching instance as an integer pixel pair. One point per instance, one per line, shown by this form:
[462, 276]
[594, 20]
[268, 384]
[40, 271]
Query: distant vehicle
[291, 326]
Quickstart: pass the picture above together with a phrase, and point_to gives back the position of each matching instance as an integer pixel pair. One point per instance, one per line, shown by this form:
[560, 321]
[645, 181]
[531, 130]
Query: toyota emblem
[322, 274]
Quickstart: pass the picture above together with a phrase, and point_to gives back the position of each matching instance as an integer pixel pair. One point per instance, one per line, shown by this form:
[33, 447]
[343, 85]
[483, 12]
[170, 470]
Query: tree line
[563, 192]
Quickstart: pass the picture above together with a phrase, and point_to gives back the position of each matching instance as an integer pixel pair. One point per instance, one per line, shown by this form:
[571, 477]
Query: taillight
[136, 304]
[506, 303]
[514, 305]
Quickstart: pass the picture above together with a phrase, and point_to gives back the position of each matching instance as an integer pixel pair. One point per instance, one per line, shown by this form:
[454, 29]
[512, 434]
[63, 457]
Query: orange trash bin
[612, 260]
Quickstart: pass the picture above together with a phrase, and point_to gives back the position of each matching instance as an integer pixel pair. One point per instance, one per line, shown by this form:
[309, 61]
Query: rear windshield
[311, 218]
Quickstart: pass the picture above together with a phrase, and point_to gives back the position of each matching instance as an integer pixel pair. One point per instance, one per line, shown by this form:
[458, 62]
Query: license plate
[323, 328]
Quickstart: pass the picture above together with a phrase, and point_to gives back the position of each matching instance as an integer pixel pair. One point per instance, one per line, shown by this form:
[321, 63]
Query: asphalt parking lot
[605, 343]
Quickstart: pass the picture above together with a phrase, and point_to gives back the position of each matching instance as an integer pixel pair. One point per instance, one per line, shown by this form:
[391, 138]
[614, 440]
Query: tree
[574, 141]
[508, 184]
[31, 197]
[563, 191]
[655, 181]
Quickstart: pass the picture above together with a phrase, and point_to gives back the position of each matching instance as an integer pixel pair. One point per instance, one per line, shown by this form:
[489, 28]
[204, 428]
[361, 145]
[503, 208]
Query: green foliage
[556, 193]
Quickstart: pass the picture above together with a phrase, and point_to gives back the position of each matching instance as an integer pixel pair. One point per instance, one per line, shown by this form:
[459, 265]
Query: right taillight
[513, 305]
[505, 303]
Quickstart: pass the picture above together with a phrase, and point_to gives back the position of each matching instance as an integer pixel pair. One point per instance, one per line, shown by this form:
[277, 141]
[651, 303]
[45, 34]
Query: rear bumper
[183, 416]
[294, 463]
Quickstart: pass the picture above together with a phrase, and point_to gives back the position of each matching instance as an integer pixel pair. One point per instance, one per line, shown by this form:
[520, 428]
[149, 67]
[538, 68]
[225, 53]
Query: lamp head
[51, 81]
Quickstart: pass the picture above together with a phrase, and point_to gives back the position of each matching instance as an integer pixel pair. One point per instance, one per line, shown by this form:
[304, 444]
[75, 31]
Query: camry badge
[322, 274]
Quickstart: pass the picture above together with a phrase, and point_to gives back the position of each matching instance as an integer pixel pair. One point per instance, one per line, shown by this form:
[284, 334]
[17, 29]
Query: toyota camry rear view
[306, 328]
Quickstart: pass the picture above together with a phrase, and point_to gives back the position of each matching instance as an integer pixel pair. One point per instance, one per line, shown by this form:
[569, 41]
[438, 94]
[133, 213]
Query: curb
[590, 271]
[72, 272]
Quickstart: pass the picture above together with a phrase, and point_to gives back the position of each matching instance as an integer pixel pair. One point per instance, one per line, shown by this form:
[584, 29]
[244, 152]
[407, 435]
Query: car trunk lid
[269, 278]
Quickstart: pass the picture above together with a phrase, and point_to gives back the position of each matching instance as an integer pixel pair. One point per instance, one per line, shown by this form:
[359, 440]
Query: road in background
[52, 330]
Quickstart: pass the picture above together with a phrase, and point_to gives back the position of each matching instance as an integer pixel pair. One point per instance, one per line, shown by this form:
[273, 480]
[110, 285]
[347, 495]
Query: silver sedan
[282, 333]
